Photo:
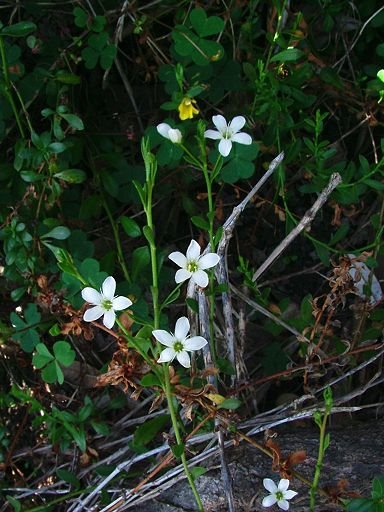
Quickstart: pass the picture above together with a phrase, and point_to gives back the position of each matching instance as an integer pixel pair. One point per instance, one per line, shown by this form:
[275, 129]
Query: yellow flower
[187, 109]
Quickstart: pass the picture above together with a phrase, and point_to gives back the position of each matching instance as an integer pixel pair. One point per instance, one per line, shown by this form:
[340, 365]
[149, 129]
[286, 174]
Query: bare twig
[303, 224]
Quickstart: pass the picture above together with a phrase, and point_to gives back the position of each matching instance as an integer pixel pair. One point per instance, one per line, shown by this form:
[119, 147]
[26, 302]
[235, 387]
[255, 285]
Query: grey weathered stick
[304, 223]
[222, 269]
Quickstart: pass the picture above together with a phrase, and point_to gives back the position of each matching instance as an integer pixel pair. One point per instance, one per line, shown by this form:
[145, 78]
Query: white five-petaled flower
[279, 493]
[172, 134]
[178, 344]
[104, 302]
[228, 133]
[193, 265]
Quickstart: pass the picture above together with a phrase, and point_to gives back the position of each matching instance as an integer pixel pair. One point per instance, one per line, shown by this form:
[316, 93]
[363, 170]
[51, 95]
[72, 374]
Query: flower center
[106, 304]
[192, 266]
[228, 133]
[178, 346]
[279, 495]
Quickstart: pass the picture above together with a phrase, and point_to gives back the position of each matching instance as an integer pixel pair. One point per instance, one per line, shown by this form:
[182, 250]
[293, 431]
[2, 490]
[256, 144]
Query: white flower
[104, 302]
[172, 134]
[228, 133]
[279, 493]
[193, 265]
[177, 344]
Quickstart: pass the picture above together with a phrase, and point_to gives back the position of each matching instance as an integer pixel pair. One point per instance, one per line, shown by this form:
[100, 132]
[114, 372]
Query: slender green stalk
[146, 194]
[321, 421]
[115, 230]
[7, 88]
[179, 440]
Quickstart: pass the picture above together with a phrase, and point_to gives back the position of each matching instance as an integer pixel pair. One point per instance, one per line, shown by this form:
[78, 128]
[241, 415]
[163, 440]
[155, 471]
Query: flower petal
[268, 501]
[178, 258]
[283, 504]
[288, 495]
[163, 129]
[237, 123]
[120, 303]
[167, 355]
[183, 358]
[242, 138]
[193, 251]
[195, 343]
[174, 135]
[213, 134]
[91, 295]
[93, 313]
[225, 146]
[208, 260]
[164, 337]
[220, 122]
[270, 485]
[283, 484]
[200, 278]
[109, 288]
[181, 328]
[109, 318]
[182, 275]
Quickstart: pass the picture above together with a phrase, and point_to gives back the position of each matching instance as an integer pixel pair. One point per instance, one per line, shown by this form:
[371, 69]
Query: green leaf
[31, 176]
[178, 450]
[327, 440]
[230, 403]
[193, 304]
[71, 176]
[42, 356]
[149, 380]
[380, 75]
[55, 330]
[225, 366]
[361, 505]
[289, 55]
[64, 353]
[108, 56]
[77, 435]
[15, 503]
[49, 373]
[74, 121]
[67, 78]
[377, 185]
[140, 259]
[378, 488]
[322, 252]
[146, 432]
[81, 17]
[68, 477]
[340, 234]
[148, 233]
[90, 56]
[58, 233]
[98, 23]
[21, 29]
[197, 471]
[57, 147]
[200, 222]
[203, 25]
[59, 372]
[130, 226]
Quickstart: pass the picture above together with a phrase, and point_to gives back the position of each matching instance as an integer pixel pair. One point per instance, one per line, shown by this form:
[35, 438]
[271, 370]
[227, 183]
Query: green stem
[133, 343]
[191, 156]
[323, 444]
[115, 229]
[7, 88]
[153, 251]
[179, 440]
